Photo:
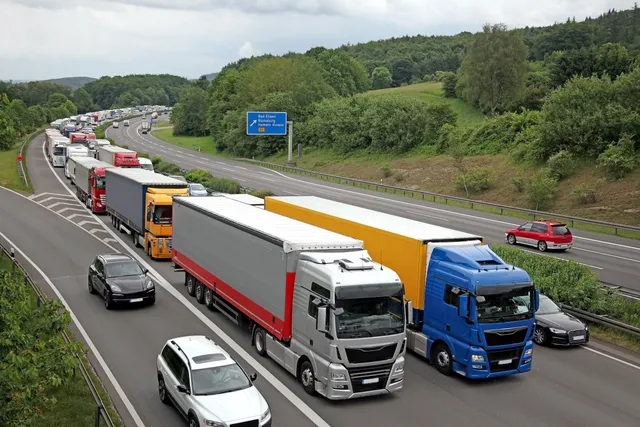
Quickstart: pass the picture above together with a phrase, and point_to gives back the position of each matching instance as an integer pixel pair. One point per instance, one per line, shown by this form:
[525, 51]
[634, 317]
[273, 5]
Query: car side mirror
[253, 377]
[463, 306]
[146, 271]
[182, 389]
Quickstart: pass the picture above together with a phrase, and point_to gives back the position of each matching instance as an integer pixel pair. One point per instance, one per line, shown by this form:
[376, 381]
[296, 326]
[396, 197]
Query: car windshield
[219, 379]
[547, 306]
[100, 182]
[122, 269]
[370, 317]
[198, 187]
[560, 230]
[513, 304]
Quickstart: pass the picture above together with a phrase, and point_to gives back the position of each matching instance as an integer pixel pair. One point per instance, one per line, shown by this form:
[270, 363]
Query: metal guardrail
[425, 195]
[622, 291]
[602, 320]
[101, 413]
[20, 159]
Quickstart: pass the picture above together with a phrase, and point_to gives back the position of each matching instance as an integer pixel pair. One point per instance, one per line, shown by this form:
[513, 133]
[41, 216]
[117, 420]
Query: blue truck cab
[478, 316]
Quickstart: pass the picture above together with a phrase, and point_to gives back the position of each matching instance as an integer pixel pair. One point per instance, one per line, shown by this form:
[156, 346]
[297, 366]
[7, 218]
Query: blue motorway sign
[266, 123]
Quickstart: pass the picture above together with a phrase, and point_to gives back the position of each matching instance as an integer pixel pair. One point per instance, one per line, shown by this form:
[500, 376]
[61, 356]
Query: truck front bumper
[496, 363]
[351, 383]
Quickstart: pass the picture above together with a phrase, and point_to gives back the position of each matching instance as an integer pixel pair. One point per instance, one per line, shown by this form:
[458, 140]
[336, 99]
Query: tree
[449, 81]
[202, 82]
[82, 100]
[189, 115]
[7, 132]
[346, 75]
[402, 70]
[381, 78]
[494, 69]
[56, 100]
[541, 190]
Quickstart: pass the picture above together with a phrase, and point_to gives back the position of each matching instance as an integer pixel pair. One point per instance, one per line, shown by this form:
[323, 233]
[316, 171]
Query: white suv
[207, 386]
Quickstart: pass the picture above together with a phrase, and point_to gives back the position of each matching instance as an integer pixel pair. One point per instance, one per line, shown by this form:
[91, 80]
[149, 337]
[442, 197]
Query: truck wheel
[191, 285]
[200, 292]
[208, 298]
[149, 252]
[135, 239]
[443, 359]
[307, 378]
[260, 341]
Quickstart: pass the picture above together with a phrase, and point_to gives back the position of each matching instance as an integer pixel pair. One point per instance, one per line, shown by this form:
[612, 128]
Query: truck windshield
[58, 151]
[163, 214]
[512, 304]
[370, 317]
[100, 181]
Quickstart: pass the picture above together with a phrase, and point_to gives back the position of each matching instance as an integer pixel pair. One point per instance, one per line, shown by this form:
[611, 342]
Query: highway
[614, 259]
[569, 387]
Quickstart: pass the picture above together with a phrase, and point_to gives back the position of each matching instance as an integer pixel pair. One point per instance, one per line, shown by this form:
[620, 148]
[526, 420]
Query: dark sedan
[118, 278]
[555, 327]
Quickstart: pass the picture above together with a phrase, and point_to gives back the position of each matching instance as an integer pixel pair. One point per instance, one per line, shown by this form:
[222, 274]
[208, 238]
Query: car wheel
[162, 391]
[91, 288]
[511, 239]
[443, 359]
[307, 377]
[542, 246]
[540, 336]
[260, 342]
[108, 302]
[200, 292]
[193, 422]
[191, 285]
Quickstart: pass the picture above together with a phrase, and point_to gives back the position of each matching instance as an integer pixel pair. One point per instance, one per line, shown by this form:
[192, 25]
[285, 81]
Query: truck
[73, 150]
[118, 156]
[78, 138]
[146, 163]
[49, 134]
[145, 127]
[88, 176]
[468, 311]
[140, 203]
[244, 198]
[95, 144]
[68, 129]
[57, 151]
[313, 300]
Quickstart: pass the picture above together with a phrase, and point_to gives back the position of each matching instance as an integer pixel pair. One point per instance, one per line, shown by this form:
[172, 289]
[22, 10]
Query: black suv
[118, 278]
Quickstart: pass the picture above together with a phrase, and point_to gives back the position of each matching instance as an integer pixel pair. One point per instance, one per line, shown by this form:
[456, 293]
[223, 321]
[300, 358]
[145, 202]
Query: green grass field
[75, 406]
[432, 93]
[9, 176]
[163, 123]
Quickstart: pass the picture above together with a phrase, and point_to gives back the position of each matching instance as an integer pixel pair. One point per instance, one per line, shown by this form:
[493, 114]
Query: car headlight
[116, 288]
[212, 423]
[586, 327]
[477, 358]
[557, 331]
[265, 415]
[529, 352]
[149, 284]
[399, 369]
[338, 377]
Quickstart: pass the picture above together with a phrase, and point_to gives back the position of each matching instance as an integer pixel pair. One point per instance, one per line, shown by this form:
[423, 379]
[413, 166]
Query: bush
[168, 168]
[386, 171]
[561, 165]
[144, 155]
[519, 184]
[541, 190]
[198, 175]
[586, 193]
[619, 158]
[34, 357]
[262, 193]
[571, 283]
[156, 160]
[476, 181]
[223, 185]
[449, 82]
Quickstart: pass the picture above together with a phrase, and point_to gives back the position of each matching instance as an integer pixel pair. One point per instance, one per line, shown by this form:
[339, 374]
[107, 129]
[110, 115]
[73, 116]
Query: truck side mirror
[537, 301]
[463, 306]
[321, 324]
[410, 312]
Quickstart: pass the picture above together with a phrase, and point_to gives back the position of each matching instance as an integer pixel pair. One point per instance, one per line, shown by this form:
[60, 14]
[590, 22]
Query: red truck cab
[97, 182]
[77, 138]
[126, 160]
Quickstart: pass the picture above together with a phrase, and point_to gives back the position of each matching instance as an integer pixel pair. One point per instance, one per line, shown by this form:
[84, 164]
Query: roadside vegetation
[40, 383]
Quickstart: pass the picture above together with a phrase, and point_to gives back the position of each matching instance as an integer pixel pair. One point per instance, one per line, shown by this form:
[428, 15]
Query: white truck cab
[74, 150]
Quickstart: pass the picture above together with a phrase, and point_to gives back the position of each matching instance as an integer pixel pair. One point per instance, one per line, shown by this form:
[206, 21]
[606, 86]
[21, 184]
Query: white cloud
[194, 37]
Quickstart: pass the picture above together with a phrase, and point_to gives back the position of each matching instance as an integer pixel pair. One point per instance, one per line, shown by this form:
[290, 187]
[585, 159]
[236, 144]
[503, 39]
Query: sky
[42, 39]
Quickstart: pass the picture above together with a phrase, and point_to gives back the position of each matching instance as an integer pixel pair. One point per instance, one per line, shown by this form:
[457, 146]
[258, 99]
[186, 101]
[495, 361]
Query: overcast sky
[41, 39]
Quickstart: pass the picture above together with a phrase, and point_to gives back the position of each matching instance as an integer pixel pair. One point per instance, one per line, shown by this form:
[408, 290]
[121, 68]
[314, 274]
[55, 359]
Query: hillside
[74, 82]
[211, 76]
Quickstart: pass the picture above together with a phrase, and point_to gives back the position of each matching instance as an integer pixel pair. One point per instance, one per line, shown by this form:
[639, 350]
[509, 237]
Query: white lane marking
[268, 376]
[608, 356]
[81, 215]
[109, 240]
[81, 223]
[240, 167]
[48, 199]
[85, 336]
[289, 192]
[440, 210]
[69, 203]
[67, 209]
[35, 196]
[427, 215]
[609, 255]
[563, 259]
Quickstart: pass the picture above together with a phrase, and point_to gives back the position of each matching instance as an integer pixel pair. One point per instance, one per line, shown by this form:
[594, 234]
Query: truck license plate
[578, 337]
[370, 381]
[504, 362]
[136, 300]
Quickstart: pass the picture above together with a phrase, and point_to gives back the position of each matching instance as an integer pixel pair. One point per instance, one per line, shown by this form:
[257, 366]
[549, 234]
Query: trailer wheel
[191, 284]
[260, 342]
[208, 298]
[307, 377]
[135, 239]
[200, 292]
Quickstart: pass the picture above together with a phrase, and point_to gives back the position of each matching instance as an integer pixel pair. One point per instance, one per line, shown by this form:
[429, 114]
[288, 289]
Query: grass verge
[75, 406]
[9, 176]
[163, 123]
[201, 144]
[612, 336]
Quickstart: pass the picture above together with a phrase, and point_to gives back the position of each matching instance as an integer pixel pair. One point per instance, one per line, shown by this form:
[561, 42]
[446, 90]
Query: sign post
[271, 123]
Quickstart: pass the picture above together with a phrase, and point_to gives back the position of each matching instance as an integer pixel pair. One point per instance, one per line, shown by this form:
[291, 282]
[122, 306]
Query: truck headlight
[399, 369]
[477, 358]
[338, 377]
[529, 352]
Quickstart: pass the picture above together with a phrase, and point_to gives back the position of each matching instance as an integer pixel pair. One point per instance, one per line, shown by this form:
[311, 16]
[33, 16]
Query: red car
[545, 235]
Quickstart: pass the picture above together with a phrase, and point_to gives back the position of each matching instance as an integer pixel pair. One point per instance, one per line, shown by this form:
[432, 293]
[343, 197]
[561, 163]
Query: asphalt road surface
[592, 386]
[616, 260]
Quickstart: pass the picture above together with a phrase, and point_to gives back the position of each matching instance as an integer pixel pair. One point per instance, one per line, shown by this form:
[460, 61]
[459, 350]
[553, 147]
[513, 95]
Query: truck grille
[495, 356]
[506, 336]
[373, 354]
[169, 243]
[252, 423]
[357, 375]
[103, 198]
